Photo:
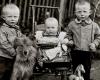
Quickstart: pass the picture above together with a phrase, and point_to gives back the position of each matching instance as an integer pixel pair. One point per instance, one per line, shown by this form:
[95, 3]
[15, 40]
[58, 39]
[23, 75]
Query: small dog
[25, 59]
[78, 73]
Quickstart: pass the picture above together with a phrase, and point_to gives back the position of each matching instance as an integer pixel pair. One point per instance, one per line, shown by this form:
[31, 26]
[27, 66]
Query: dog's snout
[25, 52]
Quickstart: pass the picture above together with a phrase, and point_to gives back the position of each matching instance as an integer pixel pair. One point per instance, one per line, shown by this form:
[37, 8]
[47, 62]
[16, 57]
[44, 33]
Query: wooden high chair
[60, 67]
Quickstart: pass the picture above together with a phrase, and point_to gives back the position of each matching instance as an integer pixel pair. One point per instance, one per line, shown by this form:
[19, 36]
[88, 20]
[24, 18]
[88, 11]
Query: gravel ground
[95, 70]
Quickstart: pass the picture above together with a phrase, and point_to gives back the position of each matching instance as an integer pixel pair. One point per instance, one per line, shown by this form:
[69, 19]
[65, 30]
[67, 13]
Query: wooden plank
[33, 24]
[30, 2]
[61, 12]
[70, 8]
[15, 1]
[9, 1]
[54, 3]
[51, 4]
[47, 3]
[3, 2]
[38, 11]
[24, 12]
[20, 4]
[34, 2]
[45, 6]
[33, 15]
[43, 3]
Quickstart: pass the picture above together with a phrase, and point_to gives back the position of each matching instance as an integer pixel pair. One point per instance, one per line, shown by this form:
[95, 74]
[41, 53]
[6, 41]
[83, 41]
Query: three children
[82, 32]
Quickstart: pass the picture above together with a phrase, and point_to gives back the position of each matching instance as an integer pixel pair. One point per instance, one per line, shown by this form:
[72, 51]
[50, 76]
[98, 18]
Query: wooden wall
[26, 11]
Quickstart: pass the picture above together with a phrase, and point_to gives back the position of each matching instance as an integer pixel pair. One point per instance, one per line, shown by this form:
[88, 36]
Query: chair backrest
[41, 26]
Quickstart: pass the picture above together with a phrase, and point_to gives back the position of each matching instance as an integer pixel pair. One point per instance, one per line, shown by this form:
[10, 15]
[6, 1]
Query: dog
[25, 59]
[78, 73]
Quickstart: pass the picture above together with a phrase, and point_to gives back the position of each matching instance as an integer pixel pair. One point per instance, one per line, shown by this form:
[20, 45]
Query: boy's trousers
[82, 57]
[6, 66]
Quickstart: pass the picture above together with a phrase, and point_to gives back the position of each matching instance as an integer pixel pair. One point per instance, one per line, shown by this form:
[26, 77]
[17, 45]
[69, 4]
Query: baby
[52, 36]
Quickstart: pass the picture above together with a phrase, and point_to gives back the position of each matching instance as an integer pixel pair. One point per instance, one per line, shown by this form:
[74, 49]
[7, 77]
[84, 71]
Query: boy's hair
[82, 2]
[51, 20]
[10, 6]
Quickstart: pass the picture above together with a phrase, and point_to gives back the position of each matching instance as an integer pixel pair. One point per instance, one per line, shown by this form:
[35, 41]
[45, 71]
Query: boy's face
[11, 17]
[51, 28]
[83, 11]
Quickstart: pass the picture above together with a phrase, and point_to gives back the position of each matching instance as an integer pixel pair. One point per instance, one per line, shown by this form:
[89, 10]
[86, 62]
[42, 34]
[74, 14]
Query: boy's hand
[12, 52]
[92, 47]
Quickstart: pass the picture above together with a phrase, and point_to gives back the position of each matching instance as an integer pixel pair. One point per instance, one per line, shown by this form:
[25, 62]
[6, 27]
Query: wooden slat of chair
[38, 10]
[54, 3]
[3, 3]
[24, 14]
[29, 11]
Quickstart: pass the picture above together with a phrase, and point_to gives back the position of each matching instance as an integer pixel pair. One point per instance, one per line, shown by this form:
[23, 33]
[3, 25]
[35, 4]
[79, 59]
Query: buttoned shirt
[83, 35]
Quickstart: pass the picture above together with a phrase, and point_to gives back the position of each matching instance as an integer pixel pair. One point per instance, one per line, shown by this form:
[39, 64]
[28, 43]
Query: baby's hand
[12, 52]
[92, 47]
[45, 59]
[64, 41]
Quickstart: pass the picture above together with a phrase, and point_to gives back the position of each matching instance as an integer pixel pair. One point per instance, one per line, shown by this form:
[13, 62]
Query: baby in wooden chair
[52, 36]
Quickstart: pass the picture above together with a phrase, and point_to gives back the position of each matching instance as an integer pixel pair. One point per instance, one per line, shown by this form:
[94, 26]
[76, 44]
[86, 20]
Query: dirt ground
[95, 70]
[95, 73]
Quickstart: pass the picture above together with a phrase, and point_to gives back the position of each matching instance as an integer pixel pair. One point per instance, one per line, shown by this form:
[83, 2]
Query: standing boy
[8, 32]
[85, 35]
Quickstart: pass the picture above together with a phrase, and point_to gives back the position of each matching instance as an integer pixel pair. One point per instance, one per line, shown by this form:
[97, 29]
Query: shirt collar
[15, 26]
[88, 21]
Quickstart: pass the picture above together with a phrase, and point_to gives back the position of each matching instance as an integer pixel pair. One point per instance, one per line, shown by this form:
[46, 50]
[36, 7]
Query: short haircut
[82, 2]
[10, 6]
[52, 20]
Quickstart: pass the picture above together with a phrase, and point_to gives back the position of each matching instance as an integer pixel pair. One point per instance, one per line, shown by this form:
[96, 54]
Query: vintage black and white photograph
[49, 39]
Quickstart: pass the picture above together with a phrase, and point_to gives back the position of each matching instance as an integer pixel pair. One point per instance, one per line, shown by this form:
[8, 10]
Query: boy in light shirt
[8, 32]
[85, 35]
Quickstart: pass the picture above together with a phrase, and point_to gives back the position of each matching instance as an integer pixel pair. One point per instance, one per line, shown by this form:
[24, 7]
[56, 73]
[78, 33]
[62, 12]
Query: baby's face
[11, 17]
[51, 28]
[83, 11]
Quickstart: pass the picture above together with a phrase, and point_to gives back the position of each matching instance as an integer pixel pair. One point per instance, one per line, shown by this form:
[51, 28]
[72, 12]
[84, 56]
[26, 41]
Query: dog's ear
[17, 42]
[27, 41]
[30, 42]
